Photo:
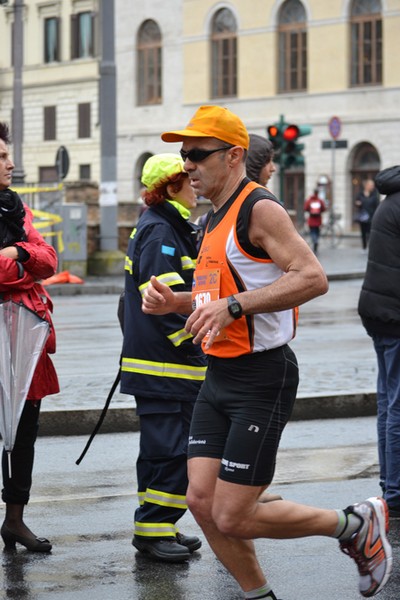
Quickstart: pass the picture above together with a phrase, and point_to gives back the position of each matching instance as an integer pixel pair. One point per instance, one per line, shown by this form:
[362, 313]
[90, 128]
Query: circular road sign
[335, 125]
[62, 162]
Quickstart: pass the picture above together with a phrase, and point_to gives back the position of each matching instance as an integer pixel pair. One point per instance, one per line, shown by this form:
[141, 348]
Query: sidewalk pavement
[345, 262]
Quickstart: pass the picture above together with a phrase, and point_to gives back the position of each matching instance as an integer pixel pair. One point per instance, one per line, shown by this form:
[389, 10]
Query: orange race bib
[206, 285]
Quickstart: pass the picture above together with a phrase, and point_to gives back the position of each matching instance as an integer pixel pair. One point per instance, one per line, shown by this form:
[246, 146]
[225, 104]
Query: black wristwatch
[234, 307]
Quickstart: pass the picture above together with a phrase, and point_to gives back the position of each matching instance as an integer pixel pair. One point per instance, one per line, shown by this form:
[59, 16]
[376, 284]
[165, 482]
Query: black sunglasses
[197, 155]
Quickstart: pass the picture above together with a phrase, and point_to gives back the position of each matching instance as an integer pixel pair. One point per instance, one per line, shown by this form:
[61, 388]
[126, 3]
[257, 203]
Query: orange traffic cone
[62, 277]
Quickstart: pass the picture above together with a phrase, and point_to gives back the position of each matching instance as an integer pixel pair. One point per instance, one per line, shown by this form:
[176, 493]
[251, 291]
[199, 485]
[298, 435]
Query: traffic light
[288, 152]
[291, 151]
[275, 136]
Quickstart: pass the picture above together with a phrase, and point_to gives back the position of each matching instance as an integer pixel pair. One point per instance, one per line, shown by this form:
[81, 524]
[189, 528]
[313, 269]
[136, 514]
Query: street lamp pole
[108, 143]
[18, 115]
[108, 260]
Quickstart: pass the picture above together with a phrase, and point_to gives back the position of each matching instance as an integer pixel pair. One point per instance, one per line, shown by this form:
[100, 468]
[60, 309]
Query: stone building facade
[304, 59]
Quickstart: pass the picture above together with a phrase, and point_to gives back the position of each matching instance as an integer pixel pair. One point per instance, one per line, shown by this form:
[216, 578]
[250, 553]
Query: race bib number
[206, 284]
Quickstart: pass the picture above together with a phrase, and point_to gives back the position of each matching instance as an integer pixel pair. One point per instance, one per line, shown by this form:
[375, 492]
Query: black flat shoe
[33, 545]
[191, 542]
[167, 550]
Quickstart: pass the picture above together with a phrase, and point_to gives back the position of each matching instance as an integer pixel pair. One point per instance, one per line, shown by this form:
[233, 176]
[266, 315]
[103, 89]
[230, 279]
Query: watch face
[234, 308]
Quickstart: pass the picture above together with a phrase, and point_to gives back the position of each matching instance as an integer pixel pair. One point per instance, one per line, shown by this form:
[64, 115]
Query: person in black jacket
[367, 202]
[379, 308]
[160, 365]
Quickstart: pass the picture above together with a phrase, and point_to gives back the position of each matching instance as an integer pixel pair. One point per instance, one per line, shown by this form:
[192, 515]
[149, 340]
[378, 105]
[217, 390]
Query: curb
[85, 289]
[121, 420]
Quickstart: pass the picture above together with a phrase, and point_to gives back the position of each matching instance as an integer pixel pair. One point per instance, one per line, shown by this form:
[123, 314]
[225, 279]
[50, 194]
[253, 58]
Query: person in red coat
[315, 206]
[25, 259]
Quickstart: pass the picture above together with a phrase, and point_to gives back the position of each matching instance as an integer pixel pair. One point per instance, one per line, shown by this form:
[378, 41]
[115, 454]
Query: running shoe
[369, 546]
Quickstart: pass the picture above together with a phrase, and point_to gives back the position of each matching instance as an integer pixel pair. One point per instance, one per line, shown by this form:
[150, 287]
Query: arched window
[149, 57]
[292, 51]
[366, 42]
[224, 54]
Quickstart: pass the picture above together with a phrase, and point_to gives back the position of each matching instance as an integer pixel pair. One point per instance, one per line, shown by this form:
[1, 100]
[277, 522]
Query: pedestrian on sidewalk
[160, 365]
[252, 271]
[314, 206]
[379, 309]
[367, 201]
[25, 259]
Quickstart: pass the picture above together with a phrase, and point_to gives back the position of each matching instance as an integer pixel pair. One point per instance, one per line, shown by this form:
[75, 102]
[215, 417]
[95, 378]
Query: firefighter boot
[191, 542]
[164, 549]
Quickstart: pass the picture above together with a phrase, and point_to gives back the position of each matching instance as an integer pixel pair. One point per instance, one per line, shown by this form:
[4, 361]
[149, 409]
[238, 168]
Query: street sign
[335, 126]
[62, 162]
[328, 144]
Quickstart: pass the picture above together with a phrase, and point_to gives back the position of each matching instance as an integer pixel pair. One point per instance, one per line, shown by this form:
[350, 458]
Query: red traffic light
[273, 131]
[291, 133]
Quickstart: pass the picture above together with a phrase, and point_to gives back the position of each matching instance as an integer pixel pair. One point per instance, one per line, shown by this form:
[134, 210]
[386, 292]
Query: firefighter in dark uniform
[161, 366]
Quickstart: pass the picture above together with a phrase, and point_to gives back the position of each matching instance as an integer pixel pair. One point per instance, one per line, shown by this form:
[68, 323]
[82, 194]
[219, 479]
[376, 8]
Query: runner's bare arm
[304, 278]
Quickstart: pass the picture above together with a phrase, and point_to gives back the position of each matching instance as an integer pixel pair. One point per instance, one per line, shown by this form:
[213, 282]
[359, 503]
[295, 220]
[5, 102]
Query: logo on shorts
[254, 428]
[231, 466]
[192, 440]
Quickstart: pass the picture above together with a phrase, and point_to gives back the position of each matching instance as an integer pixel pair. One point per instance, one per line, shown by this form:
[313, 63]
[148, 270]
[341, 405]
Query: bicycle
[332, 230]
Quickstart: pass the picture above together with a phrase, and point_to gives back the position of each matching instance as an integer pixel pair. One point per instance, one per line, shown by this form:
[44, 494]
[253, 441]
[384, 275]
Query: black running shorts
[241, 411]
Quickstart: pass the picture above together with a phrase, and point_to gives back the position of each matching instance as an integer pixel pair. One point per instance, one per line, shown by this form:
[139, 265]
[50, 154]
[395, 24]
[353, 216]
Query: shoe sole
[159, 555]
[381, 511]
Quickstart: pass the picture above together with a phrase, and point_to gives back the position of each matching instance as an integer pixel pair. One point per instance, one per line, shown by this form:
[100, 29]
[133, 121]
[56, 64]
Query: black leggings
[17, 489]
[365, 229]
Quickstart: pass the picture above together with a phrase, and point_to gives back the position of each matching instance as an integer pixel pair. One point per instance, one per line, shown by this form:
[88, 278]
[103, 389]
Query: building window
[48, 174]
[49, 117]
[149, 57]
[84, 120]
[366, 42]
[82, 35]
[51, 40]
[292, 36]
[224, 54]
[85, 172]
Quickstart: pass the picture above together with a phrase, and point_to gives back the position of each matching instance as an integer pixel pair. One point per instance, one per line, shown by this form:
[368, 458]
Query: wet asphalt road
[87, 513]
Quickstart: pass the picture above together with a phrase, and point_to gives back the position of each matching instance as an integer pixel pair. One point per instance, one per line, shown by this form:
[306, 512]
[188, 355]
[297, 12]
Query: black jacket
[379, 302]
[159, 359]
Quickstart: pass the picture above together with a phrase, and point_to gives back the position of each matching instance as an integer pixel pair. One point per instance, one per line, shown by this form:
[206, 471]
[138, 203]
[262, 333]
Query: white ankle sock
[265, 591]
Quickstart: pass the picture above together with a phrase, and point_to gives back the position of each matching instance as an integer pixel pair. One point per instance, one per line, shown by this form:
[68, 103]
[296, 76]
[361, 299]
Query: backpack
[315, 208]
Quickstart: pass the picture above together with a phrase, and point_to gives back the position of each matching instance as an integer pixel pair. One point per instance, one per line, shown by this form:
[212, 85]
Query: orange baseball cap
[212, 121]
